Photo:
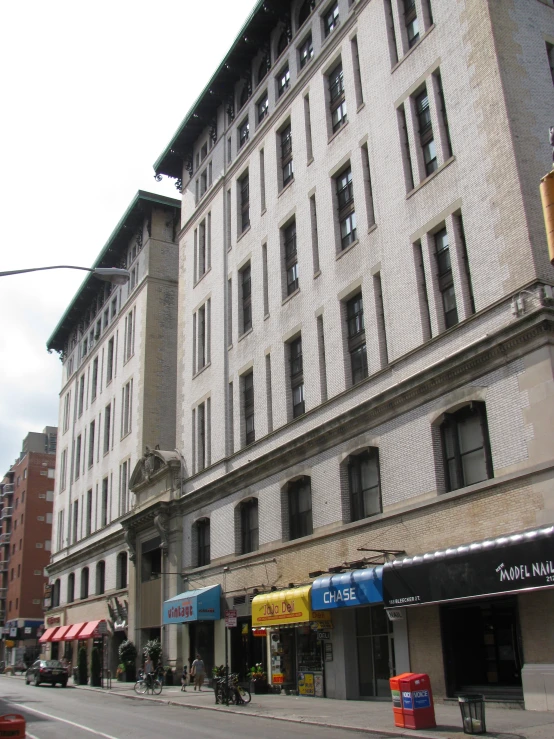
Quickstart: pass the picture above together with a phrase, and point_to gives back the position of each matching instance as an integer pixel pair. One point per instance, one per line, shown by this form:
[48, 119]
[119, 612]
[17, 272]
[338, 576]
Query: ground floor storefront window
[297, 660]
[375, 651]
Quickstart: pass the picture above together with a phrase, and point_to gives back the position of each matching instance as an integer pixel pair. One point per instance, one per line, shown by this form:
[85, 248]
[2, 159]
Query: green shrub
[153, 649]
[95, 669]
[82, 666]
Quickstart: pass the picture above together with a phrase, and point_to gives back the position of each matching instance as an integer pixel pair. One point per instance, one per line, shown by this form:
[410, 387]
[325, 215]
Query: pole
[226, 667]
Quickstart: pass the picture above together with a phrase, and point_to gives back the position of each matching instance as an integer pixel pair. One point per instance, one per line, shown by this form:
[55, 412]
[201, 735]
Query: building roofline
[109, 253]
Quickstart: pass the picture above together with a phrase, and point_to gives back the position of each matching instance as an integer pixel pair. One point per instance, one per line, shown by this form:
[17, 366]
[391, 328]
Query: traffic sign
[230, 618]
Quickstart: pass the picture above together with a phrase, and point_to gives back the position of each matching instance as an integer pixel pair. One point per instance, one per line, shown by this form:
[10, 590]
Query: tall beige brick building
[365, 362]
[118, 345]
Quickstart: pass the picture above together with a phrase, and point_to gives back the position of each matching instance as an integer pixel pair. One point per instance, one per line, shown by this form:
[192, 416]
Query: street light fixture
[115, 275]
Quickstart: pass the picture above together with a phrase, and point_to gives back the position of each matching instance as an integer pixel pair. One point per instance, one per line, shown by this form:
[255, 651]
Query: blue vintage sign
[356, 588]
[193, 605]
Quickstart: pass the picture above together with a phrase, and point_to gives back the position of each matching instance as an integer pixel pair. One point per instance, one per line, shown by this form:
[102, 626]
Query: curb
[307, 722]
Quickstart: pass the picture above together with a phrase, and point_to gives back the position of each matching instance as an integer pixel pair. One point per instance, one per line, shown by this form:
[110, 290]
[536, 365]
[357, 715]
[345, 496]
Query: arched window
[249, 540]
[100, 577]
[299, 500]
[364, 484]
[56, 594]
[282, 43]
[305, 10]
[202, 530]
[71, 588]
[122, 570]
[263, 69]
[84, 583]
[466, 446]
[244, 95]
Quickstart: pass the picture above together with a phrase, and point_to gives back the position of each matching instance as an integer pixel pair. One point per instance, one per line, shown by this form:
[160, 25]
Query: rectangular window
[265, 280]
[201, 338]
[322, 359]
[123, 488]
[300, 508]
[423, 297]
[550, 55]
[201, 436]
[426, 138]
[411, 22]
[66, 411]
[81, 394]
[346, 212]
[357, 71]
[243, 133]
[466, 447]
[306, 51]
[365, 487]
[75, 520]
[104, 507]
[308, 127]
[356, 338]
[443, 119]
[337, 100]
[109, 360]
[405, 143]
[287, 168]
[249, 526]
[59, 533]
[126, 408]
[246, 298]
[129, 335]
[262, 107]
[283, 81]
[368, 190]
[268, 393]
[91, 444]
[203, 182]
[445, 278]
[315, 238]
[203, 542]
[291, 257]
[248, 407]
[296, 377]
[89, 513]
[77, 467]
[380, 315]
[107, 427]
[262, 179]
[244, 198]
[202, 260]
[229, 312]
[331, 19]
[63, 470]
[113, 308]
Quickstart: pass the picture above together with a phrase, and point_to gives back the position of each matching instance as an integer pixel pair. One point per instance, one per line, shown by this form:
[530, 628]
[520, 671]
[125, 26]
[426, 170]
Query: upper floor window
[337, 101]
[445, 278]
[246, 290]
[356, 338]
[249, 535]
[331, 19]
[121, 574]
[283, 81]
[248, 407]
[110, 360]
[71, 588]
[346, 211]
[84, 583]
[100, 578]
[299, 495]
[282, 43]
[364, 484]
[411, 22]
[244, 190]
[296, 377]
[56, 594]
[306, 51]
[263, 107]
[287, 167]
[426, 138]
[243, 132]
[305, 11]
[263, 69]
[202, 542]
[466, 446]
[291, 257]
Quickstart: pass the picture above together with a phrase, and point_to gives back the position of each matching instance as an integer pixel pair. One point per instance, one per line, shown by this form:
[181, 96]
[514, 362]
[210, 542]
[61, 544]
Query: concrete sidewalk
[366, 716]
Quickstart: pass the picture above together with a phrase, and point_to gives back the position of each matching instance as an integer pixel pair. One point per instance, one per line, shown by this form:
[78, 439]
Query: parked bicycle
[147, 684]
[231, 691]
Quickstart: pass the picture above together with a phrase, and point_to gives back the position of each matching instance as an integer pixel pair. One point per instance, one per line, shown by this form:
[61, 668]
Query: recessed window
[466, 447]
[282, 43]
[246, 297]
[445, 278]
[291, 257]
[263, 69]
[283, 81]
[296, 366]
[248, 407]
[243, 132]
[331, 19]
[426, 138]
[364, 484]
[306, 51]
[244, 197]
[346, 211]
[263, 107]
[337, 100]
[299, 496]
[356, 338]
[249, 530]
[305, 11]
[202, 542]
[411, 21]
[287, 167]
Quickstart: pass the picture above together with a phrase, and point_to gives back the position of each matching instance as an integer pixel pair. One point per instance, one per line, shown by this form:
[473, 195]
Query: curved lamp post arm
[114, 275]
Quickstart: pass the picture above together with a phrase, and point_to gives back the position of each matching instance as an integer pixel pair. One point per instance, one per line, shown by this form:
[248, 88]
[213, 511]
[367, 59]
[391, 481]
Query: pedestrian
[198, 671]
[148, 670]
[184, 679]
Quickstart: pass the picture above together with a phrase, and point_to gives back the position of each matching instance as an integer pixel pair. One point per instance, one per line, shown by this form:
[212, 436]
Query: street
[80, 714]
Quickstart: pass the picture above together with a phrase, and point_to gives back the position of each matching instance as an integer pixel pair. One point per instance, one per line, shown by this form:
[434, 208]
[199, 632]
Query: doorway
[482, 648]
[375, 650]
[247, 650]
[201, 637]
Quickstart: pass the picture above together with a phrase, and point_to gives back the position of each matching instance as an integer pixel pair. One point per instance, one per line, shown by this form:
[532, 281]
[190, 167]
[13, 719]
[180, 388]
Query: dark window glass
[249, 526]
[356, 338]
[286, 155]
[305, 10]
[426, 139]
[248, 405]
[71, 588]
[244, 185]
[84, 583]
[365, 486]
[347, 214]
[244, 133]
[263, 69]
[300, 508]
[263, 108]
[306, 51]
[282, 43]
[445, 278]
[283, 81]
[203, 541]
[246, 298]
[411, 21]
[291, 257]
[336, 96]
[297, 377]
[331, 19]
[100, 578]
[466, 447]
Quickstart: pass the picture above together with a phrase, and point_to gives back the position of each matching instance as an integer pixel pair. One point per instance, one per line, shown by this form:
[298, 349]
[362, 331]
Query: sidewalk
[365, 716]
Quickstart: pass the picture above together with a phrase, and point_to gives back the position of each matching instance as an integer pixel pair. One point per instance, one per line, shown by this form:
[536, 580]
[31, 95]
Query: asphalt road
[70, 713]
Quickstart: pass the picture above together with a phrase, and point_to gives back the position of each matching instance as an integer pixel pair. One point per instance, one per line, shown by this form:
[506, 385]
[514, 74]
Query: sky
[91, 94]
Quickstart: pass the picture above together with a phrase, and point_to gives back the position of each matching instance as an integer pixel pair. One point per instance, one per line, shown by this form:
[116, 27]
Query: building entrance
[482, 648]
[375, 647]
[201, 634]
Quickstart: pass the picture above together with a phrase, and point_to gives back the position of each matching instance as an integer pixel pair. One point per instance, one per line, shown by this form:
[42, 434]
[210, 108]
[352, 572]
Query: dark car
[47, 671]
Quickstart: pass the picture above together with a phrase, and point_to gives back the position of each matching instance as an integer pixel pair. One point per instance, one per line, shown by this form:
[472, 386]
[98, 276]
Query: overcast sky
[91, 95]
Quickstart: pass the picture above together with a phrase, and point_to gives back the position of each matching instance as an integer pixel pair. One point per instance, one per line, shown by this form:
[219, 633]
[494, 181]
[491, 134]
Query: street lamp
[115, 275]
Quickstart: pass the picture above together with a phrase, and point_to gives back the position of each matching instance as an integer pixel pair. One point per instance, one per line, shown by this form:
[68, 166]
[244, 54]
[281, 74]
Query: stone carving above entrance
[152, 462]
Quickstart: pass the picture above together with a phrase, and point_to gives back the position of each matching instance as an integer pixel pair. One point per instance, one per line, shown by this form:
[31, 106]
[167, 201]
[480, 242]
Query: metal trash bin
[473, 713]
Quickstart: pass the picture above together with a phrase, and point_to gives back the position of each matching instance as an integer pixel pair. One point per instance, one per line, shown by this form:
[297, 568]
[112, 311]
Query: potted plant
[95, 669]
[120, 672]
[128, 656]
[258, 679]
[82, 671]
[153, 649]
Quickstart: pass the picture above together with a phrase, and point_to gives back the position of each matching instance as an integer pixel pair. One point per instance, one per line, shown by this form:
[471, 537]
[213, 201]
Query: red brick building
[27, 494]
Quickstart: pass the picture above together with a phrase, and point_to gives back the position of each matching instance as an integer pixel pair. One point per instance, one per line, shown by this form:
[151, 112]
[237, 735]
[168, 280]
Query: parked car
[47, 671]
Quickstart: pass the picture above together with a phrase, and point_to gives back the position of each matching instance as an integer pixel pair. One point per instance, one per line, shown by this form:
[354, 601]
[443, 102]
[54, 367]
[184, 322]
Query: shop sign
[53, 621]
[395, 614]
[323, 635]
[277, 678]
[306, 683]
[324, 625]
[285, 607]
[356, 588]
[202, 604]
[504, 565]
[27, 630]
[259, 632]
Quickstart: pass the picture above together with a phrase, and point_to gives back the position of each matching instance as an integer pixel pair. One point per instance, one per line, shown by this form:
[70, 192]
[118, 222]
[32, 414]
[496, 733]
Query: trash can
[473, 713]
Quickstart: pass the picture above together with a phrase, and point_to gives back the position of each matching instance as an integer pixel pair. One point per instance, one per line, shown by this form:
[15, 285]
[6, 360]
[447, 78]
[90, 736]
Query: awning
[284, 607]
[48, 634]
[92, 629]
[513, 563]
[194, 605]
[356, 588]
[74, 631]
[60, 633]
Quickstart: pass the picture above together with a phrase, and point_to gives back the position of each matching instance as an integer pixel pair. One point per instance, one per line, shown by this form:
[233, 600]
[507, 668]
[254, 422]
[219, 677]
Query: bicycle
[230, 691]
[148, 683]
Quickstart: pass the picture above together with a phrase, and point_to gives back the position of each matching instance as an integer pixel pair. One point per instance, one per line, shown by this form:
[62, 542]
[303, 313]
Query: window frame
[357, 497]
[287, 160]
[248, 407]
[331, 19]
[249, 534]
[244, 199]
[337, 99]
[283, 81]
[203, 542]
[344, 184]
[452, 422]
[300, 522]
[290, 255]
[296, 376]
[306, 51]
[356, 338]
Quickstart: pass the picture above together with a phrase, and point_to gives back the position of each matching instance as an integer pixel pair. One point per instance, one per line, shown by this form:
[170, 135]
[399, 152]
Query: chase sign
[356, 588]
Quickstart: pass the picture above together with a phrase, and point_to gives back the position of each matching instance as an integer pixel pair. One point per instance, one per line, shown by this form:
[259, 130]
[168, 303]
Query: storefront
[199, 609]
[297, 656]
[64, 641]
[486, 593]
[361, 649]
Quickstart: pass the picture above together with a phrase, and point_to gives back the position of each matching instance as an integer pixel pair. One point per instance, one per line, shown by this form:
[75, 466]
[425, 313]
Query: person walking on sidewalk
[184, 679]
[198, 671]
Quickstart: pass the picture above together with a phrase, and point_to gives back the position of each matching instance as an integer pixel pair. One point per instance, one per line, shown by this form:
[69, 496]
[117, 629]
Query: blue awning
[193, 605]
[356, 588]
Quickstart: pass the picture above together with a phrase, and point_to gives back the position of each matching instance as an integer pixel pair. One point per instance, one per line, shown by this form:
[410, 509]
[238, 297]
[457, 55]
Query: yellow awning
[285, 607]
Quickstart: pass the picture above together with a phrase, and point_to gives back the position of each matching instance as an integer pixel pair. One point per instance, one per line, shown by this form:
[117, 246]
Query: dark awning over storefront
[520, 561]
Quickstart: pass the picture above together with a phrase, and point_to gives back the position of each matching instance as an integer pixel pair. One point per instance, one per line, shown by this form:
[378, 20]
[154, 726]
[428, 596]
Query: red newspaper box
[417, 702]
[397, 711]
